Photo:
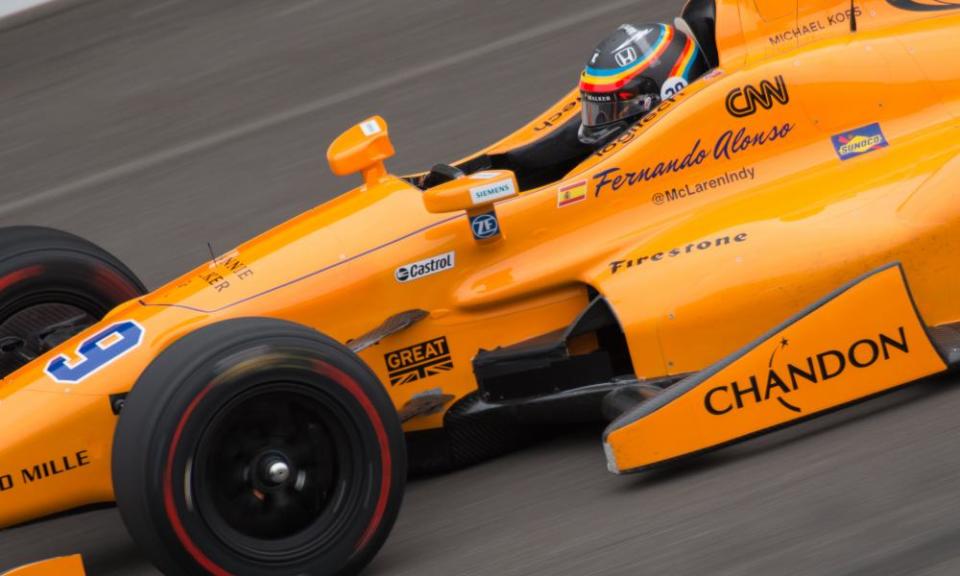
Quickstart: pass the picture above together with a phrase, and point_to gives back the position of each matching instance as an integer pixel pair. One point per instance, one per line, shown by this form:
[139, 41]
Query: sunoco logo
[424, 268]
[859, 142]
[781, 380]
[859, 145]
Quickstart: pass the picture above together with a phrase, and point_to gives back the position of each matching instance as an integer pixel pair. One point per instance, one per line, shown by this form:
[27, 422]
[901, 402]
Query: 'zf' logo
[419, 361]
[743, 102]
[485, 226]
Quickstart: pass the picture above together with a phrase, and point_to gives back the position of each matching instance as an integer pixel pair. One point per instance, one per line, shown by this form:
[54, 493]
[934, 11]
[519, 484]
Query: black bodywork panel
[543, 365]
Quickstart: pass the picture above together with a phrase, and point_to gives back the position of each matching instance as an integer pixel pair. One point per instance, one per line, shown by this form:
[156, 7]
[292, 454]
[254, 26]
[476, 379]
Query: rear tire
[52, 285]
[258, 446]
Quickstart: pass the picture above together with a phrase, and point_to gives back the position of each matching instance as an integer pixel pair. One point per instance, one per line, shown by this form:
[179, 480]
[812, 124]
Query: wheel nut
[278, 472]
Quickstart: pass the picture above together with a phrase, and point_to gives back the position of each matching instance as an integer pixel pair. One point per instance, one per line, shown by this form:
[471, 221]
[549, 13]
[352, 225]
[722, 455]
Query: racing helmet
[631, 72]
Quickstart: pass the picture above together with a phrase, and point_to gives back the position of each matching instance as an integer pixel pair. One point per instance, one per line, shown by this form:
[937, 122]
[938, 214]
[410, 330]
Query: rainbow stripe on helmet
[685, 62]
[599, 80]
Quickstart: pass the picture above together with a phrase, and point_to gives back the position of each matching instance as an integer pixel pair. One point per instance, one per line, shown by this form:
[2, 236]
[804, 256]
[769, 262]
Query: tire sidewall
[43, 266]
[63, 277]
[181, 540]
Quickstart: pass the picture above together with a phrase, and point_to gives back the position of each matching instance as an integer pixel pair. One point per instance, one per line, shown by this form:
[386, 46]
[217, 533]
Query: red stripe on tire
[20, 275]
[351, 386]
[114, 284]
[168, 501]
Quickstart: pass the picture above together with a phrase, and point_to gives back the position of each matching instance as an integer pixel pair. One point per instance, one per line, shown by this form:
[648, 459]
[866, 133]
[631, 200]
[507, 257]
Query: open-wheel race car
[776, 239]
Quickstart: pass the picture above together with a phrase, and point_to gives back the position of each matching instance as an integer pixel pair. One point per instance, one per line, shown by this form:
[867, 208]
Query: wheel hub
[275, 470]
[270, 465]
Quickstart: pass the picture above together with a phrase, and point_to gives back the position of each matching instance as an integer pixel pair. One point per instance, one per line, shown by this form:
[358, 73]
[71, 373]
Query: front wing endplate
[863, 339]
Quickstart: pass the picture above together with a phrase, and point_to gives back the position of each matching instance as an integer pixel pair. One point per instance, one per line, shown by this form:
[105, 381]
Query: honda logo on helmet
[626, 57]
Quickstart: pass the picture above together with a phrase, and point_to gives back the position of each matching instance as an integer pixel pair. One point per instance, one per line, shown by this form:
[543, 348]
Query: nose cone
[57, 413]
[54, 453]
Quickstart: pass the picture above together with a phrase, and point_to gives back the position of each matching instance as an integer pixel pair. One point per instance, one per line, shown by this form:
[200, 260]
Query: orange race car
[770, 241]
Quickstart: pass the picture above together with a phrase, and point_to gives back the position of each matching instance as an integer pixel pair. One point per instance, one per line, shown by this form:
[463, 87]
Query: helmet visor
[607, 108]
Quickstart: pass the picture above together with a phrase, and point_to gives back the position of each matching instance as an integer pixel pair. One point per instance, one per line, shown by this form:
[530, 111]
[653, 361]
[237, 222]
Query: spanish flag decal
[572, 194]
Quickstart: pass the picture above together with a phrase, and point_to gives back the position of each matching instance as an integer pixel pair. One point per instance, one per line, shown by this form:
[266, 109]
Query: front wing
[863, 339]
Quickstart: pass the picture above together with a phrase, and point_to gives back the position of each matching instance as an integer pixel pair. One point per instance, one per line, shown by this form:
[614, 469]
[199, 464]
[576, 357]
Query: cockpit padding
[546, 160]
[701, 17]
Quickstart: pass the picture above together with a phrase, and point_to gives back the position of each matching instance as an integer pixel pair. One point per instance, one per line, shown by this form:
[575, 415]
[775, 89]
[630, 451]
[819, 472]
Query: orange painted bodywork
[65, 566]
[786, 221]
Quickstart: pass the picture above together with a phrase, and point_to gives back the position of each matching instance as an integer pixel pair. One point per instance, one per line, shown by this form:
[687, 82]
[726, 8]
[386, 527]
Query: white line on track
[246, 129]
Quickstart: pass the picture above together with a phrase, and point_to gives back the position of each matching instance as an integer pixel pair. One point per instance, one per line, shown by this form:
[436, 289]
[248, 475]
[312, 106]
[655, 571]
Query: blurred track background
[155, 126]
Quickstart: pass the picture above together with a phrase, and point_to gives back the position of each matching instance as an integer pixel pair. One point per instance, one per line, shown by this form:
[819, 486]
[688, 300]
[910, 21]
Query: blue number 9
[96, 352]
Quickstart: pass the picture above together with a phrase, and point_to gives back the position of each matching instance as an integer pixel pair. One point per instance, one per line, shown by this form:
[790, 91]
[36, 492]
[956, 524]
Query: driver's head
[631, 72]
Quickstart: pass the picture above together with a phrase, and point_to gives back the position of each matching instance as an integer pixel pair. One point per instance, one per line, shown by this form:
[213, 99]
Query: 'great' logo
[419, 361]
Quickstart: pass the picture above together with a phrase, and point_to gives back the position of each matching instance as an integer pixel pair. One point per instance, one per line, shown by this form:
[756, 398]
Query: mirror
[362, 148]
[476, 194]
[473, 193]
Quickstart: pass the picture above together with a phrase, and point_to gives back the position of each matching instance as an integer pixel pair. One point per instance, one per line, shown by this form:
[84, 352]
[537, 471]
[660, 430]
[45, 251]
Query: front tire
[53, 285]
[261, 447]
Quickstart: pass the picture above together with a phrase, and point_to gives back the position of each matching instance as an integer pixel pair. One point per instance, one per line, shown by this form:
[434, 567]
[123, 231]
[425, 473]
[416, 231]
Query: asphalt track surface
[155, 126]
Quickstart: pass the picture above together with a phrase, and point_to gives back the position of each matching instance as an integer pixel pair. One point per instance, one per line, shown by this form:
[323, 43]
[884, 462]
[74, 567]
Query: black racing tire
[196, 453]
[47, 277]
